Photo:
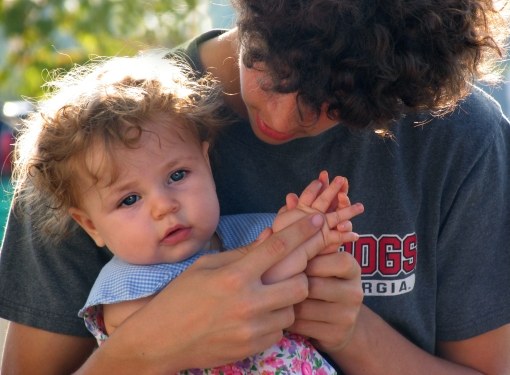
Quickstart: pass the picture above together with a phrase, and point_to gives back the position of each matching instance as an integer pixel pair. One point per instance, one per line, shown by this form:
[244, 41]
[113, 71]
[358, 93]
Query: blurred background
[37, 36]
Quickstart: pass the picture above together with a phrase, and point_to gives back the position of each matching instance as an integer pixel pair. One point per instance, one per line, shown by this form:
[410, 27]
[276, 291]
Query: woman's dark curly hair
[373, 61]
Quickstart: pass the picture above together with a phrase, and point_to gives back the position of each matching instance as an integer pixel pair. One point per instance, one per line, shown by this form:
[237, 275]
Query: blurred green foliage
[40, 35]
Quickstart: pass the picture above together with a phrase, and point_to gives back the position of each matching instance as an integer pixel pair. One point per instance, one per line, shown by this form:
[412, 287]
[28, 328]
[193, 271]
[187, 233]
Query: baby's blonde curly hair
[110, 101]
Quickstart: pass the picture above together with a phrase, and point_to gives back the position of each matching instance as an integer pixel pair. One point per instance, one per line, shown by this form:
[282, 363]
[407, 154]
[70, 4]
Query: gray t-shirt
[435, 235]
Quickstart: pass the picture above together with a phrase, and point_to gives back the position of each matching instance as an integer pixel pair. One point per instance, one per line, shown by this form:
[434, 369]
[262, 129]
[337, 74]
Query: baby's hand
[327, 198]
[341, 201]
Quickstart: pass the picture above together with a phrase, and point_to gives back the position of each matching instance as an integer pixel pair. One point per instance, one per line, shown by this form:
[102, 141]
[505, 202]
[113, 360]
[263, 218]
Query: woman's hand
[216, 312]
[319, 196]
[330, 313]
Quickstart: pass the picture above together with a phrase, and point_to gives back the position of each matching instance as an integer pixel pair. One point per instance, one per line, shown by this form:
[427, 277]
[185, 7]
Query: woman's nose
[281, 110]
[286, 113]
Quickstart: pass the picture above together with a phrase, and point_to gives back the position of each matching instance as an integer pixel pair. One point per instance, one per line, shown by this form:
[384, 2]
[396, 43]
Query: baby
[122, 148]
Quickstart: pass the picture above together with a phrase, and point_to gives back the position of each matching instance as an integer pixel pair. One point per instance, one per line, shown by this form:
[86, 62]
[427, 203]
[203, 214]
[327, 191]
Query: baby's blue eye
[132, 199]
[177, 175]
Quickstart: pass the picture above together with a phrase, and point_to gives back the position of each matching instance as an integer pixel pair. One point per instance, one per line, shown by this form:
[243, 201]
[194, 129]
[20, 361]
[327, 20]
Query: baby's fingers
[344, 226]
[310, 193]
[333, 219]
[343, 199]
[334, 239]
[291, 202]
[324, 178]
[327, 200]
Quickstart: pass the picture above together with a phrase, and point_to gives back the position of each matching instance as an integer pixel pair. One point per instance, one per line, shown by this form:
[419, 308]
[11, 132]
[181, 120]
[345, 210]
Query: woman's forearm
[376, 348]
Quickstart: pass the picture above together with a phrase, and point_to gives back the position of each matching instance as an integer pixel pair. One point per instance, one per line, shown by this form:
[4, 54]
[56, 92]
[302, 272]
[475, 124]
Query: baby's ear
[84, 220]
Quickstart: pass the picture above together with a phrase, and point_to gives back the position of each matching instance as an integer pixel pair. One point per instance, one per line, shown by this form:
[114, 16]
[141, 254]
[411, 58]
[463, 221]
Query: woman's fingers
[341, 265]
[330, 312]
[297, 236]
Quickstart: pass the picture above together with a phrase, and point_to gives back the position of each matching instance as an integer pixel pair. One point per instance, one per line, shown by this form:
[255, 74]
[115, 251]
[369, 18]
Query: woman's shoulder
[193, 49]
[480, 109]
[477, 119]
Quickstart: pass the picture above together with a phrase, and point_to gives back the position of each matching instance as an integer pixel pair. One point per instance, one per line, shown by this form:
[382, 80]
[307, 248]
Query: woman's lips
[271, 133]
[176, 236]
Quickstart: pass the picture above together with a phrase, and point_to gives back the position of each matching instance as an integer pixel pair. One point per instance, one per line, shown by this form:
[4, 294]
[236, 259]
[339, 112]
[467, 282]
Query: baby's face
[162, 208]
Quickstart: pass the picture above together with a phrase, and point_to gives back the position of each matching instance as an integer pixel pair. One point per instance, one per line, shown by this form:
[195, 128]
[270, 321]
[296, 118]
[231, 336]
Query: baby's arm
[319, 196]
[116, 313]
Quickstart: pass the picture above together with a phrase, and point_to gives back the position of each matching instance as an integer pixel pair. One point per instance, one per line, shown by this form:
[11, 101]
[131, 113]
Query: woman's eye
[177, 176]
[132, 199]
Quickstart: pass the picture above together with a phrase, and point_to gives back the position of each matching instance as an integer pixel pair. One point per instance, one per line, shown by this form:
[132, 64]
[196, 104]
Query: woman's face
[274, 117]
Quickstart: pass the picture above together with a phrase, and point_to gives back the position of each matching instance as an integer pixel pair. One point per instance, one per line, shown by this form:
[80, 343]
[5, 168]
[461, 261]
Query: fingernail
[317, 220]
[345, 225]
